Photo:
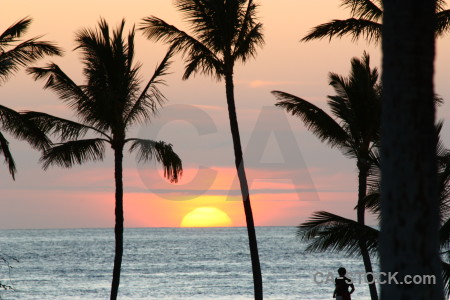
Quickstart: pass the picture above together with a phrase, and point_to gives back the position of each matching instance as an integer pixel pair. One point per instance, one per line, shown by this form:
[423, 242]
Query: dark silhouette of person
[342, 284]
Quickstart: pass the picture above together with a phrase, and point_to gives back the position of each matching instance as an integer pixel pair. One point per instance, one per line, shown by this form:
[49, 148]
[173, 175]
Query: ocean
[167, 263]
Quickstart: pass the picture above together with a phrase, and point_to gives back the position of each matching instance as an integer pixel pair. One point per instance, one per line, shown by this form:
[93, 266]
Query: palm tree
[365, 21]
[223, 33]
[16, 53]
[409, 189]
[326, 231]
[355, 131]
[107, 106]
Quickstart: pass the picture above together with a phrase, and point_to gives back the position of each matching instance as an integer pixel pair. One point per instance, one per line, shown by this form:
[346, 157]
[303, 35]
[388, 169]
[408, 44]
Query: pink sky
[84, 195]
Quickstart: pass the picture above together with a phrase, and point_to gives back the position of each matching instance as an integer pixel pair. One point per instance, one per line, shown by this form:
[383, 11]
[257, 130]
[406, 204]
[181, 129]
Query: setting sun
[206, 217]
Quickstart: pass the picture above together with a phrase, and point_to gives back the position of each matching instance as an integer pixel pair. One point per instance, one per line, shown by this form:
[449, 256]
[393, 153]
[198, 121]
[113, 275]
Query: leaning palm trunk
[224, 33]
[118, 230]
[362, 190]
[239, 161]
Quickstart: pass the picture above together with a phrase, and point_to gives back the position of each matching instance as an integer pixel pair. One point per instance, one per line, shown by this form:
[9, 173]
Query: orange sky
[195, 122]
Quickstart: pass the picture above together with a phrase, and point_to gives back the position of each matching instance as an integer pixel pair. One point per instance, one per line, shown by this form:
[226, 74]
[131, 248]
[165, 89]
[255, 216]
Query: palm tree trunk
[409, 240]
[118, 230]
[256, 268]
[362, 191]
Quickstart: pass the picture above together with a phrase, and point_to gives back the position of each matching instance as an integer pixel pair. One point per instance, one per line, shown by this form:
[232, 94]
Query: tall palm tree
[107, 106]
[223, 33]
[14, 54]
[353, 128]
[365, 21]
[409, 239]
[326, 231]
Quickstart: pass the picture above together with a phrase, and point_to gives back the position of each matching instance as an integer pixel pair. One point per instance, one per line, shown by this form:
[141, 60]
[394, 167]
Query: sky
[291, 173]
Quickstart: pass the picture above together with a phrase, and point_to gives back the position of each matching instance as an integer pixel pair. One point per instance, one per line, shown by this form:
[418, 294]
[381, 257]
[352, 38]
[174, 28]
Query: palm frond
[73, 152]
[214, 23]
[444, 195]
[372, 202]
[197, 62]
[358, 105]
[247, 47]
[14, 31]
[361, 83]
[250, 34]
[22, 128]
[147, 103]
[325, 231]
[314, 118]
[340, 84]
[446, 277]
[247, 23]
[200, 56]
[162, 152]
[438, 100]
[24, 53]
[440, 5]
[364, 9]
[199, 14]
[365, 22]
[444, 182]
[158, 30]
[444, 233]
[374, 176]
[112, 78]
[442, 22]
[223, 33]
[64, 87]
[356, 28]
[361, 69]
[64, 129]
[9, 160]
[342, 110]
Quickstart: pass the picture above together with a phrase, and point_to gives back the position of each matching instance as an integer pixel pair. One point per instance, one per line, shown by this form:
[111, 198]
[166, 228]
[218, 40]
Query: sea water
[167, 263]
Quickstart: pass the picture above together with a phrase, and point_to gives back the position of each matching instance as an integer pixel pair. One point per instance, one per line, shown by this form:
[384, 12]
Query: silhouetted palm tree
[107, 106]
[326, 231]
[223, 33]
[354, 128]
[365, 21]
[14, 54]
[409, 239]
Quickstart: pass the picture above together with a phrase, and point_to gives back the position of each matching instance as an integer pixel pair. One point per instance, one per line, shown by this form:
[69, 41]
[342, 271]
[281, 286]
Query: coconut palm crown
[14, 54]
[107, 106]
[222, 34]
[353, 126]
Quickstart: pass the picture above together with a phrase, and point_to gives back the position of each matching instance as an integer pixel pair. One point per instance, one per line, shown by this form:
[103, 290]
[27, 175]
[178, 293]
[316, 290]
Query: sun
[206, 217]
